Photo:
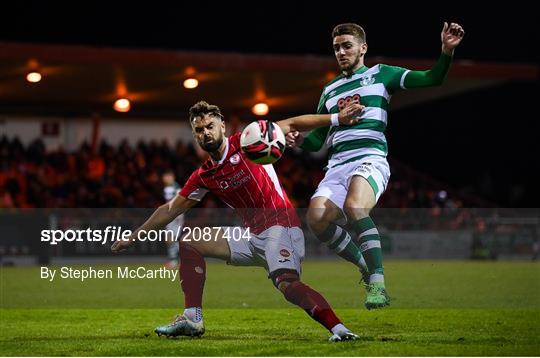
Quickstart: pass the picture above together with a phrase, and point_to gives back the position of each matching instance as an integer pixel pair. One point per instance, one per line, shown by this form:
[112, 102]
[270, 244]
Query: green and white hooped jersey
[170, 191]
[373, 87]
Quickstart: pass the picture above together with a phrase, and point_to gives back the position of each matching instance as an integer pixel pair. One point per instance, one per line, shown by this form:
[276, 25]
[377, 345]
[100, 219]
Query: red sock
[192, 275]
[312, 302]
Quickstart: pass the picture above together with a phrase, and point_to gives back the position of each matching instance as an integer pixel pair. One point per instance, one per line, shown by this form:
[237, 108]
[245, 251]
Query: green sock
[370, 246]
[338, 240]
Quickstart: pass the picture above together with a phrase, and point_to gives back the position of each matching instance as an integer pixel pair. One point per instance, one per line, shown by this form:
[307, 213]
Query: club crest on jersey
[367, 80]
[235, 159]
[285, 254]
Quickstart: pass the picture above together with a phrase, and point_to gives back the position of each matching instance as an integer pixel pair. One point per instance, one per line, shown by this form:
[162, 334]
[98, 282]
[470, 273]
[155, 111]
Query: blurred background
[94, 101]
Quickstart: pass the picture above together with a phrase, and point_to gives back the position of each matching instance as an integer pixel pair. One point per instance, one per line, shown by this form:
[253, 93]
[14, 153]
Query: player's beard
[348, 69]
[212, 146]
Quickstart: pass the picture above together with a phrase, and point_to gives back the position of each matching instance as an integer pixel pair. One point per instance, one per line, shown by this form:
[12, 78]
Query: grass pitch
[438, 308]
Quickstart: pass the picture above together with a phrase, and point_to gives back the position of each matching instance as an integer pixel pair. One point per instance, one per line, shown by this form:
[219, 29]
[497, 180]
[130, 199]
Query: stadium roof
[81, 80]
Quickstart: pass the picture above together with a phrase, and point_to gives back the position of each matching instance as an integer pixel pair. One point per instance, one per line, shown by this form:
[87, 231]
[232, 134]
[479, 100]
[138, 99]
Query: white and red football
[263, 142]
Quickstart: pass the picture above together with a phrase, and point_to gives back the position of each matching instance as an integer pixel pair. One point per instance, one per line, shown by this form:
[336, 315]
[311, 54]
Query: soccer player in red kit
[275, 239]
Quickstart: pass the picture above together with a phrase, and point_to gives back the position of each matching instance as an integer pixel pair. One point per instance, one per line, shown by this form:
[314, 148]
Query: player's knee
[282, 278]
[313, 215]
[318, 219]
[355, 209]
[205, 249]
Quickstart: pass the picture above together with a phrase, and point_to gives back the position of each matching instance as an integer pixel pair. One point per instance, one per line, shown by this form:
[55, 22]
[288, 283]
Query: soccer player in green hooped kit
[358, 172]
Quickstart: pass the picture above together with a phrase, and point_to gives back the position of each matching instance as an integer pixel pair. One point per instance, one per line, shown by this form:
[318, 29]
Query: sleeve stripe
[194, 188]
[402, 81]
[197, 194]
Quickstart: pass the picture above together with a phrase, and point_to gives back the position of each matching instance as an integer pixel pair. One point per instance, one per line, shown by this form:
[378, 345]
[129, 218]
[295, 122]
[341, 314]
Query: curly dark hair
[201, 108]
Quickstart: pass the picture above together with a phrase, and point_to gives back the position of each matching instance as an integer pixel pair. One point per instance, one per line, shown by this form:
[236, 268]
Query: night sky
[495, 33]
[484, 140]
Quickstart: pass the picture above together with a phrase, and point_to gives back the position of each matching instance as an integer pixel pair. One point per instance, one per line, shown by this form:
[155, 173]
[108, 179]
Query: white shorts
[275, 248]
[335, 184]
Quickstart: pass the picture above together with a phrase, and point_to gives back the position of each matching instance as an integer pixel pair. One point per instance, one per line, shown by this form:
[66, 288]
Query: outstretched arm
[158, 220]
[312, 143]
[347, 116]
[451, 36]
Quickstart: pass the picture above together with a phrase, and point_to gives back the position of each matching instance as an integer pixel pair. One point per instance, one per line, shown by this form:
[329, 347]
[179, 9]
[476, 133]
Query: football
[263, 142]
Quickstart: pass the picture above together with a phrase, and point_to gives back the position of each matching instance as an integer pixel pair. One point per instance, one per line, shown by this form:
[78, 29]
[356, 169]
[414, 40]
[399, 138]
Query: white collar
[225, 152]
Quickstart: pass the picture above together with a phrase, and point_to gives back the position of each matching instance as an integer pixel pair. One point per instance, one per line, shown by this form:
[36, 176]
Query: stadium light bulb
[260, 109]
[122, 105]
[33, 77]
[191, 83]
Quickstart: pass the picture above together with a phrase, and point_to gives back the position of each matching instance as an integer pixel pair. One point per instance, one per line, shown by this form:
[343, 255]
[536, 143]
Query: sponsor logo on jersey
[235, 181]
[344, 102]
[235, 159]
[224, 184]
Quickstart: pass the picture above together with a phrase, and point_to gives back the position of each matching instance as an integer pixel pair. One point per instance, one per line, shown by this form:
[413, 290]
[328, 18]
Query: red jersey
[242, 184]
